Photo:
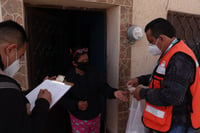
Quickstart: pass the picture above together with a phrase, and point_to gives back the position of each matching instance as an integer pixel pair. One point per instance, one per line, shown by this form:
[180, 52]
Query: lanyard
[170, 46]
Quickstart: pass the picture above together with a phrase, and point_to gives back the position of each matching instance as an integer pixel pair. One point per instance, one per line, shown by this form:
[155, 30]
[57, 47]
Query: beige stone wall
[12, 9]
[186, 6]
[142, 62]
[0, 13]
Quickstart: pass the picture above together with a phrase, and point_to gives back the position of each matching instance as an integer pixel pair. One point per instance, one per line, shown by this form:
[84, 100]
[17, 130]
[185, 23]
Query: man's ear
[162, 37]
[10, 47]
[74, 63]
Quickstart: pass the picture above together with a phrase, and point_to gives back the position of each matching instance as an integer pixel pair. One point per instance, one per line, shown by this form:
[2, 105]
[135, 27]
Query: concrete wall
[113, 22]
[0, 13]
[142, 62]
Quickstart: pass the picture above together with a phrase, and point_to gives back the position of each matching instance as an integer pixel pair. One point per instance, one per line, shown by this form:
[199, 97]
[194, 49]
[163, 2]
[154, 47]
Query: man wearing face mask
[14, 117]
[83, 99]
[172, 99]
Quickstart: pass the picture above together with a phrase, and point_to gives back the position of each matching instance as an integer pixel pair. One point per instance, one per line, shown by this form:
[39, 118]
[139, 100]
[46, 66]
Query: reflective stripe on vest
[155, 111]
[160, 118]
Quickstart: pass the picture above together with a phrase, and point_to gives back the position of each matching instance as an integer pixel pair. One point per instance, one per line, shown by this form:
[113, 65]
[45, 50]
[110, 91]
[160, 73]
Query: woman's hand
[121, 95]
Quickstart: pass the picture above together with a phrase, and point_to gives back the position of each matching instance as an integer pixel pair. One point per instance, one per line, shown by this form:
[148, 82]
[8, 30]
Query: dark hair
[160, 26]
[12, 32]
[75, 56]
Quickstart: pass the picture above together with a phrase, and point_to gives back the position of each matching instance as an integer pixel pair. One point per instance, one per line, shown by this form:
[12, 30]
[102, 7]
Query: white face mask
[12, 69]
[153, 49]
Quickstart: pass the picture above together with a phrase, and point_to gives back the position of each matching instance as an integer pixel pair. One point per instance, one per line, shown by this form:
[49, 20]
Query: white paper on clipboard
[56, 88]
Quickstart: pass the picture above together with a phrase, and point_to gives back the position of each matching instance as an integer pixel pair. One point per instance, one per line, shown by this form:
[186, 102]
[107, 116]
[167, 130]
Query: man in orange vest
[173, 95]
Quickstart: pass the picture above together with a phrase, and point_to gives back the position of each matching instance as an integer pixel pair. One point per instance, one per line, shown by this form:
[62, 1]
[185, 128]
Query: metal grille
[187, 28]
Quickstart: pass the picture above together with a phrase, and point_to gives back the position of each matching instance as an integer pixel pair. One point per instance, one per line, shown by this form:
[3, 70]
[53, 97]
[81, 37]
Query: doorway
[52, 32]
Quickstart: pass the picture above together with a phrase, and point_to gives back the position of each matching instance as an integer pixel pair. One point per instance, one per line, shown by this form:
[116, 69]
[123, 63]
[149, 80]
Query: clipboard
[56, 88]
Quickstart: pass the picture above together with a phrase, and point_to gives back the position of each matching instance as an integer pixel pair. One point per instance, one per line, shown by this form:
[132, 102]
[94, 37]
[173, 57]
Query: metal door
[187, 28]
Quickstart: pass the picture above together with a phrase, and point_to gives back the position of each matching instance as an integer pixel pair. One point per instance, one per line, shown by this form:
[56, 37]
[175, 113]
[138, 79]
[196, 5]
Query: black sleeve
[179, 74]
[14, 117]
[144, 79]
[104, 87]
[107, 90]
[36, 122]
[12, 111]
[67, 102]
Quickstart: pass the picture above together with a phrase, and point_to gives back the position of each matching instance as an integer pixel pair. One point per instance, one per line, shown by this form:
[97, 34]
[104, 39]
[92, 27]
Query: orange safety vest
[160, 117]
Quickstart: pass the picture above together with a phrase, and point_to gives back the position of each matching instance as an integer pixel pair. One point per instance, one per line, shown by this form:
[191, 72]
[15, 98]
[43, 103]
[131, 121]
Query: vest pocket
[157, 115]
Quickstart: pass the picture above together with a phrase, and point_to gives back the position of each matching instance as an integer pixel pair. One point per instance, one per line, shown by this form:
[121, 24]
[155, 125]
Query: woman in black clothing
[83, 99]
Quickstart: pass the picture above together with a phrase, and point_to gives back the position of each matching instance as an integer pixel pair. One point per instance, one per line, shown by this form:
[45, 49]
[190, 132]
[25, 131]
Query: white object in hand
[131, 89]
[60, 78]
